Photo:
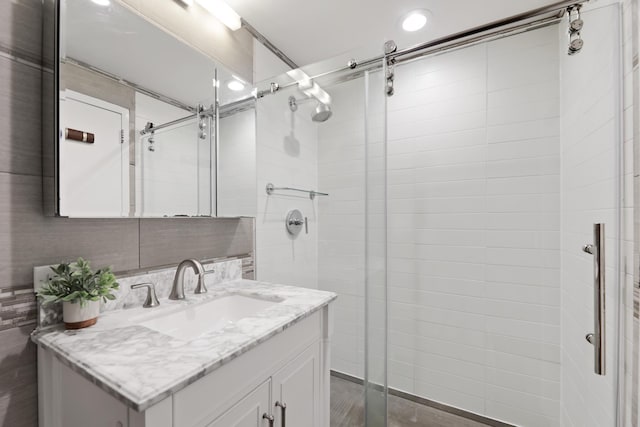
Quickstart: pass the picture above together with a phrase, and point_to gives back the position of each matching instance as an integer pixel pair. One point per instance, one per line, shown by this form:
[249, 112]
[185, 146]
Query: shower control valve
[295, 221]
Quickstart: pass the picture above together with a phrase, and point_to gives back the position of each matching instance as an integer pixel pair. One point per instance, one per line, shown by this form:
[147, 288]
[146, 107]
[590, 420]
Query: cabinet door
[83, 403]
[249, 411]
[297, 385]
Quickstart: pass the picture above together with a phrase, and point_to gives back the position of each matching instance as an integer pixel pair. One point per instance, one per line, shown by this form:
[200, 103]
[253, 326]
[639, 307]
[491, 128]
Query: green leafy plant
[76, 282]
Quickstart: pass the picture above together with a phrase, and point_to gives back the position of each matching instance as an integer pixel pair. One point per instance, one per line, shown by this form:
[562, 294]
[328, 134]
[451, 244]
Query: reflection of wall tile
[236, 164]
[132, 189]
[21, 27]
[89, 83]
[19, 117]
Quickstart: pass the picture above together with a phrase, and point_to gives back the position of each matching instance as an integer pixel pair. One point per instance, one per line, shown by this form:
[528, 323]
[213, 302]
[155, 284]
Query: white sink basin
[192, 321]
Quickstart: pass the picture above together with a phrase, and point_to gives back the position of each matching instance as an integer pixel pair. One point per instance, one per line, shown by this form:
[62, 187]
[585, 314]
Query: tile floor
[347, 410]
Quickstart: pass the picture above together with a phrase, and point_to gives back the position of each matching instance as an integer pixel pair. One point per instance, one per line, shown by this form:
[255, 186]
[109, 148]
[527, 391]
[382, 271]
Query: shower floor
[347, 410]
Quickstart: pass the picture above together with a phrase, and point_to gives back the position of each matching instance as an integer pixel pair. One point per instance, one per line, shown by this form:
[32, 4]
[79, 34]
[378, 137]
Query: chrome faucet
[177, 291]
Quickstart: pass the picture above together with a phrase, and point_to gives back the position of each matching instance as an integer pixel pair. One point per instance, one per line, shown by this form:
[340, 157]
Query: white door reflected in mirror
[94, 176]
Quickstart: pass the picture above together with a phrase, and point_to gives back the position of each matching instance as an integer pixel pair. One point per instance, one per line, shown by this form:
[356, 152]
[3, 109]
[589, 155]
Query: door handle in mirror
[269, 418]
[283, 408]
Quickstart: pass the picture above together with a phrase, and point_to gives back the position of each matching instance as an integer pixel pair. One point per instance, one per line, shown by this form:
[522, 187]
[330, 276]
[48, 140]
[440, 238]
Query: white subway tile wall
[341, 240]
[287, 157]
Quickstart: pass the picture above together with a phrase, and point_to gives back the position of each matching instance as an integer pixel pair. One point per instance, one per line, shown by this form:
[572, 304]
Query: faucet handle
[152, 299]
[201, 288]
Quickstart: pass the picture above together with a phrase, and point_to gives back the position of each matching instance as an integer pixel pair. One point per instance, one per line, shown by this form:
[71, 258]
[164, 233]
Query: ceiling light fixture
[222, 12]
[235, 85]
[102, 2]
[414, 21]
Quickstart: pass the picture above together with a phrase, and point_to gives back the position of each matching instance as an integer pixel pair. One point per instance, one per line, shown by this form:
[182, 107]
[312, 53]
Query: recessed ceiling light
[414, 21]
[235, 85]
[102, 2]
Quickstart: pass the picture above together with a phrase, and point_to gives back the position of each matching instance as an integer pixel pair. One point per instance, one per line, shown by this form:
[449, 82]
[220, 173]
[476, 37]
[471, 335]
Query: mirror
[148, 126]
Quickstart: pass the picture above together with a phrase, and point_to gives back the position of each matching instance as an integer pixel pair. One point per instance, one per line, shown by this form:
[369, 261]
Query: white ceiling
[312, 31]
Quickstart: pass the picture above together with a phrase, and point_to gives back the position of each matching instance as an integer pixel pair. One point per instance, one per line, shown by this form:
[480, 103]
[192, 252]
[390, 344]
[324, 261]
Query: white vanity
[246, 353]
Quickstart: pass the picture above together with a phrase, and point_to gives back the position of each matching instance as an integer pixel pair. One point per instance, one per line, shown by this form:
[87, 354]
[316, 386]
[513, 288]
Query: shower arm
[293, 102]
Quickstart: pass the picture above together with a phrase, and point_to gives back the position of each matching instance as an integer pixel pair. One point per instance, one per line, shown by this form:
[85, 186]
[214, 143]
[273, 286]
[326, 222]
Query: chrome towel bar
[270, 188]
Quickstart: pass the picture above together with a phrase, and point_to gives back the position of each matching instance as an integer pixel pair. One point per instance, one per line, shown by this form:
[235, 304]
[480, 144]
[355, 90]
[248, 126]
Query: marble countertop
[141, 367]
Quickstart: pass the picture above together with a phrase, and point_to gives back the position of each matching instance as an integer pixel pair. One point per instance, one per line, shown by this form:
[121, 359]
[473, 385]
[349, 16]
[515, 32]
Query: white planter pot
[77, 316]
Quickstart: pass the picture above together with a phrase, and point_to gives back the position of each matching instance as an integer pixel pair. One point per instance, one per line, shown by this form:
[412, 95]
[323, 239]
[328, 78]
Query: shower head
[320, 114]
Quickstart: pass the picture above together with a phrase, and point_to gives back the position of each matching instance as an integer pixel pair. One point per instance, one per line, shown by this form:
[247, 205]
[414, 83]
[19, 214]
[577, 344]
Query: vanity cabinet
[289, 369]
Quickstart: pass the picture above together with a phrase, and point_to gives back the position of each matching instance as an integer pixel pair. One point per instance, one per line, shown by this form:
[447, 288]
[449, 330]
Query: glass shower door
[376, 297]
[592, 168]
[500, 158]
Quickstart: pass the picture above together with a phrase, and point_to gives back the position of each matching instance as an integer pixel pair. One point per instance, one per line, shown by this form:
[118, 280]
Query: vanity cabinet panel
[249, 411]
[84, 404]
[159, 415]
[297, 386]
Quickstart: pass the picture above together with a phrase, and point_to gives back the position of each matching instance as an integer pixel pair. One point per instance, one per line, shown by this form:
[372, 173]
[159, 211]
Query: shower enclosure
[465, 179]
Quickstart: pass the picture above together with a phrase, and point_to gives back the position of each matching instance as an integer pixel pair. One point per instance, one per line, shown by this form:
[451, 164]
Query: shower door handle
[597, 338]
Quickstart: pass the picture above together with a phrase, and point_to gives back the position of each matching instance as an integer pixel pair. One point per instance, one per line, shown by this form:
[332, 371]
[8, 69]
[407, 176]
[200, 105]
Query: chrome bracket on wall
[389, 48]
[575, 26]
[597, 338]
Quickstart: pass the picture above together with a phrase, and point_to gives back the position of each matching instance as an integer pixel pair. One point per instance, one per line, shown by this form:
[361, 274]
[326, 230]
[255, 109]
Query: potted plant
[80, 290]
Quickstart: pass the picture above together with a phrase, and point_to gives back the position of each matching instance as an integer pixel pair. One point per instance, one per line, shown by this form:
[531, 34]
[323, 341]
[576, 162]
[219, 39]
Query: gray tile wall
[28, 238]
